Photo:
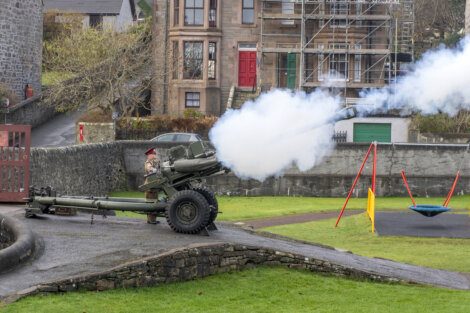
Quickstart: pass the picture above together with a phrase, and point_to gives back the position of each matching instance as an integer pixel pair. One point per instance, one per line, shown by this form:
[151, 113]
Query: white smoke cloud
[282, 128]
[439, 82]
[278, 130]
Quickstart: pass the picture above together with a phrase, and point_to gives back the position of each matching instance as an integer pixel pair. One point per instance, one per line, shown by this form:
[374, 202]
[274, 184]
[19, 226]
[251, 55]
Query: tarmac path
[56, 132]
[72, 246]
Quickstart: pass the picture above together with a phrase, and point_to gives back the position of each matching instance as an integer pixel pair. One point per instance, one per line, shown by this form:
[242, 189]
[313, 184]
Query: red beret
[150, 151]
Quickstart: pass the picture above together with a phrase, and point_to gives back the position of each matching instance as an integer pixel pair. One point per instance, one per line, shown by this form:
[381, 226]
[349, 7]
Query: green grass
[246, 208]
[256, 290]
[53, 77]
[354, 235]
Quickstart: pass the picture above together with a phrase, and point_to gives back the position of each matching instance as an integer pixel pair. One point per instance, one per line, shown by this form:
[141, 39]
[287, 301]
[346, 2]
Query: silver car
[177, 137]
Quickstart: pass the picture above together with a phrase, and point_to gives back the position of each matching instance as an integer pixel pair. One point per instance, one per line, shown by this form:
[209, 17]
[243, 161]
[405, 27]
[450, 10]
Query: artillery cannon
[188, 207]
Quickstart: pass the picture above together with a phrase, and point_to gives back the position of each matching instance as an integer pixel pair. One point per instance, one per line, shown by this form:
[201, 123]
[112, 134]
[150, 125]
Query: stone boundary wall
[95, 132]
[93, 169]
[195, 261]
[88, 169]
[28, 112]
[17, 243]
[98, 169]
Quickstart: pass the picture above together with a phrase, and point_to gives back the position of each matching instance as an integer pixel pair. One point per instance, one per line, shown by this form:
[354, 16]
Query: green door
[291, 70]
[368, 132]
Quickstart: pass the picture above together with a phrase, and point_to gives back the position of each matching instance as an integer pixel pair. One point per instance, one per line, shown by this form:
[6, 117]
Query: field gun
[180, 197]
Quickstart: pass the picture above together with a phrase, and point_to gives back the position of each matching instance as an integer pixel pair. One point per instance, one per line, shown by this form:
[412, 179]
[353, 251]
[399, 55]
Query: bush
[159, 124]
[442, 123]
[95, 116]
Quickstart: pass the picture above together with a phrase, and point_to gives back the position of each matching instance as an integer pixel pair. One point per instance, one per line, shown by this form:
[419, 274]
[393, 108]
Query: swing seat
[429, 210]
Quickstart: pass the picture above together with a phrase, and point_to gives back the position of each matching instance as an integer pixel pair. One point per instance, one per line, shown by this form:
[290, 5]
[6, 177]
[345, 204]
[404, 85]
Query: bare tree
[438, 21]
[109, 71]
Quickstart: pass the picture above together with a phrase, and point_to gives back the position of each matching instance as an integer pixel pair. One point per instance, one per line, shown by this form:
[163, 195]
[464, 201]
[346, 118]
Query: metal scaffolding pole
[302, 47]
[363, 31]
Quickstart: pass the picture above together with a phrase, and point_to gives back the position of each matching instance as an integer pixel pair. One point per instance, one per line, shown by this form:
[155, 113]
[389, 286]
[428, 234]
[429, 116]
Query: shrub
[159, 124]
[442, 123]
[95, 116]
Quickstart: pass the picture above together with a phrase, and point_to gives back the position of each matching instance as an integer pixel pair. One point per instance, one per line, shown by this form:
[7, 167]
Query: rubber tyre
[188, 212]
[211, 199]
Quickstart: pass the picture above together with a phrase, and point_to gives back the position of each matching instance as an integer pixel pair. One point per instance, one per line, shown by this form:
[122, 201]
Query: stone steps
[241, 96]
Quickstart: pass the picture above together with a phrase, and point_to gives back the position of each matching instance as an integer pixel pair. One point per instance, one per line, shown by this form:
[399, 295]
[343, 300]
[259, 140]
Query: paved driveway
[72, 246]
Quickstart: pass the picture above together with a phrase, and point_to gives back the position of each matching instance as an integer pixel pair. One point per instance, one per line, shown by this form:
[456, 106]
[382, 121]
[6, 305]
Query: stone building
[210, 54]
[117, 15]
[467, 18]
[21, 44]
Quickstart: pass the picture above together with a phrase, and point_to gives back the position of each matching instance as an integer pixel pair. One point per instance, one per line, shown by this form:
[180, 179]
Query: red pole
[374, 168]
[407, 187]
[353, 185]
[451, 192]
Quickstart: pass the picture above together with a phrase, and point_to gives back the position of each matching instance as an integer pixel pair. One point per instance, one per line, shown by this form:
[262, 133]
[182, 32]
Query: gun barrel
[345, 114]
[195, 165]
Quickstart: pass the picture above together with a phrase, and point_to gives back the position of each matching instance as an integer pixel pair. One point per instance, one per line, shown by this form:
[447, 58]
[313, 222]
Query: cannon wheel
[210, 198]
[188, 212]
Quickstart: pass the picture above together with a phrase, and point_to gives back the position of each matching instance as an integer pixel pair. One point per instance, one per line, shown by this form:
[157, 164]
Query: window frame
[176, 12]
[248, 8]
[96, 21]
[339, 8]
[175, 56]
[321, 63]
[212, 13]
[194, 8]
[212, 61]
[186, 99]
[288, 7]
[337, 60]
[199, 57]
[357, 65]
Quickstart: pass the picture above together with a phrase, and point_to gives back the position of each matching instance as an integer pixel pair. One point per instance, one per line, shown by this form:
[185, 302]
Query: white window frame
[335, 60]
[288, 7]
[357, 65]
[321, 60]
[339, 8]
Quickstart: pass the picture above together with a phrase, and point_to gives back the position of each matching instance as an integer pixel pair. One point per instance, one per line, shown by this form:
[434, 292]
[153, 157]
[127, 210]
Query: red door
[14, 162]
[247, 69]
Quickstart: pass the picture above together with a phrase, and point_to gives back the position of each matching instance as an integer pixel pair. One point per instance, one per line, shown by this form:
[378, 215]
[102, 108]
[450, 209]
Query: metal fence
[340, 136]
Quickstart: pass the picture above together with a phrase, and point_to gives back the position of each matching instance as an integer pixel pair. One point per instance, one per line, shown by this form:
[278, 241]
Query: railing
[340, 136]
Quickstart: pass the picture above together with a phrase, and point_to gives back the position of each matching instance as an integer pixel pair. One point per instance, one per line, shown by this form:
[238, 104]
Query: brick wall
[21, 44]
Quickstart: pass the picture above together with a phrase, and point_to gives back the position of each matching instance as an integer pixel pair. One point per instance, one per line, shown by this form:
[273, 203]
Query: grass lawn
[245, 208]
[256, 290]
[53, 77]
[354, 232]
[354, 235]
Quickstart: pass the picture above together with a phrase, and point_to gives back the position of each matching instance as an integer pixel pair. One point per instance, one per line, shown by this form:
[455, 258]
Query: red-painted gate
[15, 141]
[247, 69]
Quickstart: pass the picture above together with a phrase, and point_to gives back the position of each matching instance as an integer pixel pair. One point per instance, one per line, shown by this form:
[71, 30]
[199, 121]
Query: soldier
[152, 165]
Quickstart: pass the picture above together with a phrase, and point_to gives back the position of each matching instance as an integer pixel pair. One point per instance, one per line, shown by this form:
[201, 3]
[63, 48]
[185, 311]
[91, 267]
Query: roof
[85, 6]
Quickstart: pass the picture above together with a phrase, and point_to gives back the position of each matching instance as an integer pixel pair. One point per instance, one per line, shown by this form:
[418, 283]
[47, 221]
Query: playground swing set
[423, 209]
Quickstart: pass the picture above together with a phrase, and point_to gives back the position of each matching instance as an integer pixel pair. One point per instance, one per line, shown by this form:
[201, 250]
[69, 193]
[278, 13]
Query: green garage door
[368, 132]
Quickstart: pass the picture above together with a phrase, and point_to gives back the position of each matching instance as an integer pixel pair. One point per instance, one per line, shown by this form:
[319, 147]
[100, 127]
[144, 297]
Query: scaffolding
[349, 44]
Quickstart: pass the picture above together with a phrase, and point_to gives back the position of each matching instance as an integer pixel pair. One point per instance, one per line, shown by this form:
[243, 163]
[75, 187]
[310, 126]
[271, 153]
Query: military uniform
[152, 165]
